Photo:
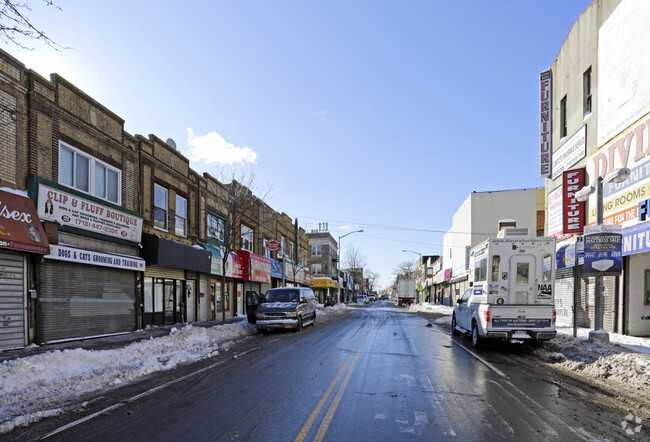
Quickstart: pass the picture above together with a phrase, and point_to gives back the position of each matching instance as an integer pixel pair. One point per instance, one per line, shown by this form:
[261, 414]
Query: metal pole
[598, 320]
[338, 271]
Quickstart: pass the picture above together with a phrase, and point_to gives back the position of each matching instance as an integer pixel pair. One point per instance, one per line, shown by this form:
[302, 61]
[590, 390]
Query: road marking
[417, 427]
[312, 417]
[337, 399]
[487, 364]
[139, 396]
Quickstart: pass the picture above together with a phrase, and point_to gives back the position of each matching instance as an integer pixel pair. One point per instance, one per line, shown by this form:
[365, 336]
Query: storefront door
[189, 300]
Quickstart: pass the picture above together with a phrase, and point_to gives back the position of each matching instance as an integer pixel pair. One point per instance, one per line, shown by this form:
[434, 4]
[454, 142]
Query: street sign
[273, 245]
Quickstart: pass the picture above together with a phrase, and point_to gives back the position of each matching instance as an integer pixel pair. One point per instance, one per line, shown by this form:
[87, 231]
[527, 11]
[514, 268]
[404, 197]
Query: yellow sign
[325, 282]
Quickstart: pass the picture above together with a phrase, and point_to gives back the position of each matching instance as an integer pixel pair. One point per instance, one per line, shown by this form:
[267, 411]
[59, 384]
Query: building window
[87, 174]
[586, 87]
[216, 229]
[563, 126]
[316, 250]
[316, 269]
[291, 251]
[181, 216]
[646, 298]
[267, 252]
[159, 207]
[246, 238]
[283, 245]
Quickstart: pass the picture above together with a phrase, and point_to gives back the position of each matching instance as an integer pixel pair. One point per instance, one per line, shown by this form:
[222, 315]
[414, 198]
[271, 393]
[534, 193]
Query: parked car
[371, 297]
[286, 307]
[362, 299]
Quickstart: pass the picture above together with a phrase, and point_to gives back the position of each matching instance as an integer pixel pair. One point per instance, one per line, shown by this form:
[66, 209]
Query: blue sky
[374, 115]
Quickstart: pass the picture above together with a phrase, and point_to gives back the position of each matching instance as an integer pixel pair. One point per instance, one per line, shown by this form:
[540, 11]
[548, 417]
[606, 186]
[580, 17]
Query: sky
[374, 115]
[50, 384]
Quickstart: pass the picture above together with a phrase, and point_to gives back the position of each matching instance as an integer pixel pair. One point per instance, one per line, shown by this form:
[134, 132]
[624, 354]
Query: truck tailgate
[521, 317]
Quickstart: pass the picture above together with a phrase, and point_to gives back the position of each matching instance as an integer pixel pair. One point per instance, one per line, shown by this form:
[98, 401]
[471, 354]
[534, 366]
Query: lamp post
[420, 261]
[617, 176]
[338, 264]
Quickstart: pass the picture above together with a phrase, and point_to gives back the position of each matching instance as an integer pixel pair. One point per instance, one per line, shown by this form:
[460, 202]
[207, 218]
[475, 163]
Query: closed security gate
[564, 289]
[12, 301]
[79, 300]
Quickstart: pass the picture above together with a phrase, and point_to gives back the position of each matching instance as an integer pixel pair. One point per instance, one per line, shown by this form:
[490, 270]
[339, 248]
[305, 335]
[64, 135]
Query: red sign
[573, 210]
[256, 268]
[273, 245]
[20, 227]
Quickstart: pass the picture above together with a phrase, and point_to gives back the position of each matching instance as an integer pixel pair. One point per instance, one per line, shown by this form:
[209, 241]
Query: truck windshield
[285, 295]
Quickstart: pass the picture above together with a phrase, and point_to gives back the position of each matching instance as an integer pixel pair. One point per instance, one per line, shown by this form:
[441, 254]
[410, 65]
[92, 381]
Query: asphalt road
[377, 374]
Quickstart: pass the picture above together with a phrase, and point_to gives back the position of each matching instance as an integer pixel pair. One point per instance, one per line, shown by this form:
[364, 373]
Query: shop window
[86, 173]
[181, 216]
[160, 207]
[216, 229]
[246, 238]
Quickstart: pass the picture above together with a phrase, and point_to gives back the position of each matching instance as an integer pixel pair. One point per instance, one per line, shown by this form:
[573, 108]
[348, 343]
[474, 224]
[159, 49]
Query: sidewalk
[106, 342]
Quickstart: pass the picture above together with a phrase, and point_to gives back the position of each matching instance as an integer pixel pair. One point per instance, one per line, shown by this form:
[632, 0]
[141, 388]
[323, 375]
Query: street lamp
[617, 176]
[338, 264]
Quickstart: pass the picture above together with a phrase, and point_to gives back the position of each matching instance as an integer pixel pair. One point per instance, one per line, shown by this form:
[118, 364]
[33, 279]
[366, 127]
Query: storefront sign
[545, 146]
[555, 212]
[61, 252]
[235, 266]
[20, 228]
[573, 214]
[323, 283]
[603, 250]
[572, 151]
[255, 268]
[636, 239]
[621, 200]
[70, 210]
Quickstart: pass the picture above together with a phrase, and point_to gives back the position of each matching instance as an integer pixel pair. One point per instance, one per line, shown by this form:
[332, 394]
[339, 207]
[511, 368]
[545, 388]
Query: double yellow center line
[357, 348]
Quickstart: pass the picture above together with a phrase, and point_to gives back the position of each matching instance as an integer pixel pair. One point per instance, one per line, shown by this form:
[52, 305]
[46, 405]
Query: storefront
[256, 276]
[324, 288]
[88, 283]
[635, 318]
[22, 242]
[170, 280]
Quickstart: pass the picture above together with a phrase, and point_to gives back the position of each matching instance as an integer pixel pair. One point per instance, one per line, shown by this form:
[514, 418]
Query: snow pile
[431, 308]
[599, 360]
[59, 377]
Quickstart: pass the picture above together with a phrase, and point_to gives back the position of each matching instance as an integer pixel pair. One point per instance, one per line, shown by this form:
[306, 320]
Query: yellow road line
[312, 417]
[337, 399]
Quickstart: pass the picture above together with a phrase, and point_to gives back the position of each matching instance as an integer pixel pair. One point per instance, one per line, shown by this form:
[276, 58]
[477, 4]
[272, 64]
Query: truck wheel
[299, 327]
[453, 326]
[476, 337]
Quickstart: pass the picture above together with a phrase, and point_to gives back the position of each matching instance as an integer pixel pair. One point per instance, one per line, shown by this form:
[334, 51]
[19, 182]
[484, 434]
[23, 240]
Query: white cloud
[213, 148]
[322, 113]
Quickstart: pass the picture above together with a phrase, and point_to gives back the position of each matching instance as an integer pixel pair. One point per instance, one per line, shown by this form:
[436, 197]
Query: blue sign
[603, 250]
[636, 239]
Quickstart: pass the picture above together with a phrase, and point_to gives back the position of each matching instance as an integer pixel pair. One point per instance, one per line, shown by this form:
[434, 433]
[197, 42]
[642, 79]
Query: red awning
[20, 228]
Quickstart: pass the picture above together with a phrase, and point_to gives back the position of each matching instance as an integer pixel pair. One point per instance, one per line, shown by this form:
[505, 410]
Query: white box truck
[511, 294]
[405, 291]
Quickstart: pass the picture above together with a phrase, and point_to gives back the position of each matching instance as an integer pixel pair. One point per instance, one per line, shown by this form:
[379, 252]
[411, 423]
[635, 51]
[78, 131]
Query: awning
[164, 252]
[20, 227]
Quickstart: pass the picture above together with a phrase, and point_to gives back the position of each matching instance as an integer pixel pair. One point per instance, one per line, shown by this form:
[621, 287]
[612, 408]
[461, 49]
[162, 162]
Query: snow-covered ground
[43, 385]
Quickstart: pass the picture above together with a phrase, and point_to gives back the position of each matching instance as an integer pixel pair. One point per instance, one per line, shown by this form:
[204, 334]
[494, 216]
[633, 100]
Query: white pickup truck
[512, 279]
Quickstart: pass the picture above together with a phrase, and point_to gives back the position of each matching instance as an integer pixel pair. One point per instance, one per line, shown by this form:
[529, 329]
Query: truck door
[522, 279]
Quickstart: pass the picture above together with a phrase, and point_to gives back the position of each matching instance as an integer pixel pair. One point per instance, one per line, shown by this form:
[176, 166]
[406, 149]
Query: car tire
[299, 326]
[453, 326]
[476, 337]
